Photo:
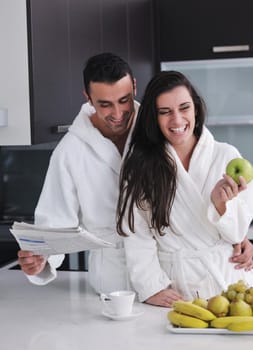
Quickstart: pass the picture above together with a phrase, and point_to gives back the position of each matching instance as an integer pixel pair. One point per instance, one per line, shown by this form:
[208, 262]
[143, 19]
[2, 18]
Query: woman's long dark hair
[148, 174]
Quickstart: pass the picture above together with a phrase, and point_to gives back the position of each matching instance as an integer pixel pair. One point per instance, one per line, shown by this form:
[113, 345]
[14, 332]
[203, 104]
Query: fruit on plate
[223, 322]
[185, 321]
[248, 297]
[190, 309]
[200, 301]
[240, 308]
[242, 326]
[218, 305]
[232, 309]
[239, 291]
[240, 167]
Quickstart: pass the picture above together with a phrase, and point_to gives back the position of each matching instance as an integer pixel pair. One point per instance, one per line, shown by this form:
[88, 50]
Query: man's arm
[243, 255]
[38, 269]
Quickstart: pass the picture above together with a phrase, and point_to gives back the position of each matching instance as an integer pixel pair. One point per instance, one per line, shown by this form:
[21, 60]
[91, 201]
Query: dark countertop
[8, 246]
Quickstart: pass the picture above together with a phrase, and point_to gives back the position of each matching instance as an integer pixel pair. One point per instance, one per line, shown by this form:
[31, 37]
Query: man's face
[114, 105]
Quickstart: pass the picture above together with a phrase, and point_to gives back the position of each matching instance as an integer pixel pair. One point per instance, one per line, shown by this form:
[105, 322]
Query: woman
[178, 210]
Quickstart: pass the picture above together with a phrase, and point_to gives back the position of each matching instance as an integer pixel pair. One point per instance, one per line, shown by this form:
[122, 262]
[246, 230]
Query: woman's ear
[134, 87]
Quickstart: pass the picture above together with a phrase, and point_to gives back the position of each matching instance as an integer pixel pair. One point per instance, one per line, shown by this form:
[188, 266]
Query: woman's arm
[225, 190]
[232, 222]
[147, 277]
[164, 298]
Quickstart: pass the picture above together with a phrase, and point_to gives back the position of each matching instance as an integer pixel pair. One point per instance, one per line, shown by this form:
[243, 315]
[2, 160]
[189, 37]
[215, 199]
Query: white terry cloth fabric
[81, 188]
[193, 253]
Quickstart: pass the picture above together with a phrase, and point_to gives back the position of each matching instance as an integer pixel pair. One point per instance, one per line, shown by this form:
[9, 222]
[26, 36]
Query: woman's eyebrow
[163, 108]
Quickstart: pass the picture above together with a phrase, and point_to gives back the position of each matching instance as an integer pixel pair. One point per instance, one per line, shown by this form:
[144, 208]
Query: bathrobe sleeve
[233, 225]
[49, 273]
[146, 274]
[58, 206]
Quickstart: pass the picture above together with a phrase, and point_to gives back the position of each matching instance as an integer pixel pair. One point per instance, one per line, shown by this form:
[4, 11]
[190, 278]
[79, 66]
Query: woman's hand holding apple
[225, 190]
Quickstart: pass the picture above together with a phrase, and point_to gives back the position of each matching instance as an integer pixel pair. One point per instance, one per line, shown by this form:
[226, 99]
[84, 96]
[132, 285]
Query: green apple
[240, 167]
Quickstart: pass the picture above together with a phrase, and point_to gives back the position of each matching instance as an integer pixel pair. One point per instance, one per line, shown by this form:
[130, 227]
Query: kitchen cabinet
[35, 65]
[190, 30]
[212, 44]
[227, 88]
[44, 45]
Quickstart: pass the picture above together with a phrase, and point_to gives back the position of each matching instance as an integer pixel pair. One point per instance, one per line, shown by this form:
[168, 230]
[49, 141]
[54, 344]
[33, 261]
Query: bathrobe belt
[177, 258]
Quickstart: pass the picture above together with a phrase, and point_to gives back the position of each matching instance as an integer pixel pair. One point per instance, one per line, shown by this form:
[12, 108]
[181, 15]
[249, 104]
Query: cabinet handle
[231, 48]
[230, 123]
[60, 129]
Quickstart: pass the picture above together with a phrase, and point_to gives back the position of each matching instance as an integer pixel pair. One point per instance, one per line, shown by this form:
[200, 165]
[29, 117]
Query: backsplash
[22, 173]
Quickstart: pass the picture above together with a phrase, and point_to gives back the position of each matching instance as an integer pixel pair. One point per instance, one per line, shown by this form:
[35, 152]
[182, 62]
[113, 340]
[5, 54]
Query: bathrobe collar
[87, 133]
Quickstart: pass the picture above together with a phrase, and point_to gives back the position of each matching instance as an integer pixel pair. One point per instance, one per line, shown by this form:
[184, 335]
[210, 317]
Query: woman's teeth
[178, 129]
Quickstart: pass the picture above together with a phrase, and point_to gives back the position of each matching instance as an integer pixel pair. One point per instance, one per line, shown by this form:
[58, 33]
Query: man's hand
[31, 264]
[165, 297]
[243, 255]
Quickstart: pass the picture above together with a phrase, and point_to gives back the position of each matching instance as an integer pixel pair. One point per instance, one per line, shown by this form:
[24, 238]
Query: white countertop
[66, 314]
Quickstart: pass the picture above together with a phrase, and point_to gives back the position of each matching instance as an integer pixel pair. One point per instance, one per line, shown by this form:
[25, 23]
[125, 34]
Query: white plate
[133, 315]
[180, 330]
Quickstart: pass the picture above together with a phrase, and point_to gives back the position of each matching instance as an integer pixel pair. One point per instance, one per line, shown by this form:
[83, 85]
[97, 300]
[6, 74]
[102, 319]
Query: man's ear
[87, 97]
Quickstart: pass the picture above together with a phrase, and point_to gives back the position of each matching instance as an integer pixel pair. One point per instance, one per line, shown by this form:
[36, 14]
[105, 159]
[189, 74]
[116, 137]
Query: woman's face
[176, 117]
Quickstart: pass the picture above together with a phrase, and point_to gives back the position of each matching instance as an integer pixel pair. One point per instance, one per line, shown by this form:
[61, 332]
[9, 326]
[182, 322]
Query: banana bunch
[242, 326]
[185, 314]
[188, 308]
[188, 315]
[233, 323]
[185, 321]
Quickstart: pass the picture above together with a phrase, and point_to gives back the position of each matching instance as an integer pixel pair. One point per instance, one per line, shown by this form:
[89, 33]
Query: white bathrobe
[81, 188]
[194, 257]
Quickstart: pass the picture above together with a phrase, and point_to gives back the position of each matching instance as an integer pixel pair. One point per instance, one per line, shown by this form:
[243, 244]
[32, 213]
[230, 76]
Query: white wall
[14, 83]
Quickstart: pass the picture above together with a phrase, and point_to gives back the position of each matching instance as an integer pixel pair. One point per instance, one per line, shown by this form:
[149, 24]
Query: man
[81, 186]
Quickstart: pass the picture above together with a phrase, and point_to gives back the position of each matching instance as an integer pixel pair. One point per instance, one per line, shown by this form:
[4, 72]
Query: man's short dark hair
[105, 68]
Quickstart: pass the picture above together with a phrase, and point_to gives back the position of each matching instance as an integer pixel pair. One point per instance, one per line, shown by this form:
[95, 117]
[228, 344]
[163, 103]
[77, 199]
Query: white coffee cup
[118, 303]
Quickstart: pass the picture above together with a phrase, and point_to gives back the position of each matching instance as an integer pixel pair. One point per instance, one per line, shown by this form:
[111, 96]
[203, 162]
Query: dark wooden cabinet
[196, 30]
[59, 36]
[49, 67]
[62, 35]
[45, 44]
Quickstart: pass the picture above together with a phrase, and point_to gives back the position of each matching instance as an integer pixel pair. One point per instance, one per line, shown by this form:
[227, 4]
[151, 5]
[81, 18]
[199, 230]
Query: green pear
[240, 308]
[218, 305]
[248, 298]
[200, 302]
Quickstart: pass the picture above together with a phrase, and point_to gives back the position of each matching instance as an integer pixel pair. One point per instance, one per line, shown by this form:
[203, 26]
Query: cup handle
[104, 298]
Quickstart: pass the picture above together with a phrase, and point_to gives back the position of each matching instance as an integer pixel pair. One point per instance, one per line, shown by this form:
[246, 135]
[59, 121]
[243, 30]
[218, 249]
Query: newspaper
[51, 241]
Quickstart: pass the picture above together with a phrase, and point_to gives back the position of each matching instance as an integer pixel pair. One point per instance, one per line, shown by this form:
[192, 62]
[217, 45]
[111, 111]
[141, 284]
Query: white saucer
[133, 315]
